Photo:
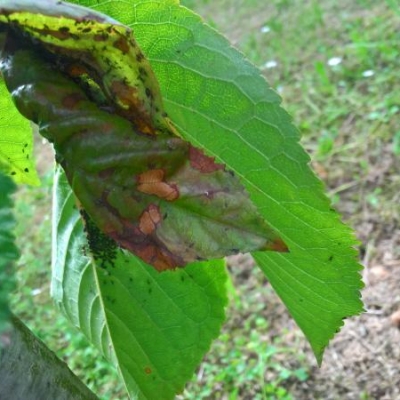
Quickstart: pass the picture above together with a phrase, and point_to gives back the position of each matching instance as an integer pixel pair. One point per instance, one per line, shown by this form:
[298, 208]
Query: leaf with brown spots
[152, 192]
[153, 182]
[90, 42]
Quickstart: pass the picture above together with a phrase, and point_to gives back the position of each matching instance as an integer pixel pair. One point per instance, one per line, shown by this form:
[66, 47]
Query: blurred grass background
[335, 64]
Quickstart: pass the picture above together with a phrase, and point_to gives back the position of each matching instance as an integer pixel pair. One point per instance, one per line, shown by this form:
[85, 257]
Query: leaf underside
[154, 327]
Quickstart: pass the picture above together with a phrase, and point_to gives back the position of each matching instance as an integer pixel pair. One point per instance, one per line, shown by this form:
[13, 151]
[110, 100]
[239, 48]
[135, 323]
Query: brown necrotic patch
[201, 162]
[159, 257]
[63, 33]
[75, 70]
[152, 182]
[100, 37]
[70, 101]
[122, 45]
[279, 245]
[134, 107]
[142, 240]
[149, 219]
[139, 57]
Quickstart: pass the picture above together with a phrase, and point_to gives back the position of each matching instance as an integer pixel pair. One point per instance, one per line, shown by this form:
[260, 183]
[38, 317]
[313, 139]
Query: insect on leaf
[85, 82]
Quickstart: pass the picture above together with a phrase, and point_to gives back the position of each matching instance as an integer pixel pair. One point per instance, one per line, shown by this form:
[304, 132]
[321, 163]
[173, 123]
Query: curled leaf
[142, 185]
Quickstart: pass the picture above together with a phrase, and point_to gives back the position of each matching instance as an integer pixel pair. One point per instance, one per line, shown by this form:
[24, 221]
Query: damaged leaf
[84, 81]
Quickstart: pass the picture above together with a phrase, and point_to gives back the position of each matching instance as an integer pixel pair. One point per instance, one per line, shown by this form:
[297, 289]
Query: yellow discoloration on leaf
[111, 52]
[16, 142]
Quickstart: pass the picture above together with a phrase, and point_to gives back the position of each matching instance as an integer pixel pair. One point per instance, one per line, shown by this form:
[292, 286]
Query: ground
[362, 361]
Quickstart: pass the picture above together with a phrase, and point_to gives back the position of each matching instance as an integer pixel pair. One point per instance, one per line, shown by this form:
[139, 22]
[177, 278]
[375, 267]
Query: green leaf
[154, 327]
[16, 142]
[221, 103]
[8, 250]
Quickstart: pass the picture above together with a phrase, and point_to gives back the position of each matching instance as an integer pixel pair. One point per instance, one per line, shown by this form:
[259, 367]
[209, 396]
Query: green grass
[348, 116]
